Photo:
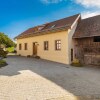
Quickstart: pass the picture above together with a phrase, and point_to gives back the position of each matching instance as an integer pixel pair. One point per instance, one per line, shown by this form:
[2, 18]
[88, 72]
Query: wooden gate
[89, 55]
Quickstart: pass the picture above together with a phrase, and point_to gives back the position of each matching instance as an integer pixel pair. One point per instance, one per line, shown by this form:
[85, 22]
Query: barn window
[97, 39]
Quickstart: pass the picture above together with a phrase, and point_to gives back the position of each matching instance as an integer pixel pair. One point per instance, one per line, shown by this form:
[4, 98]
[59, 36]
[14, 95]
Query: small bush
[3, 63]
[76, 63]
[3, 53]
[37, 57]
[28, 56]
[14, 51]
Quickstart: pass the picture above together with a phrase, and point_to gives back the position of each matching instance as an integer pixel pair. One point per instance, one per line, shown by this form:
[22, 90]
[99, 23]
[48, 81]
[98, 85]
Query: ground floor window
[25, 46]
[20, 46]
[46, 45]
[58, 45]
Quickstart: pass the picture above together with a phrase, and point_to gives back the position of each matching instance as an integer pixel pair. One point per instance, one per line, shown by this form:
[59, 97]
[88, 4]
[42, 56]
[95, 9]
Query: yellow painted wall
[51, 54]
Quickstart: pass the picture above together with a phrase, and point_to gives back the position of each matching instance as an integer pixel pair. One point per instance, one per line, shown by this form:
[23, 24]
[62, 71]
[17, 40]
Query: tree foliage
[5, 40]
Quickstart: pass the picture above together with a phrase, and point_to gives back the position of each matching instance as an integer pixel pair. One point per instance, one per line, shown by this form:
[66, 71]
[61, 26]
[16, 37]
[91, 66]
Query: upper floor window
[25, 46]
[58, 45]
[46, 45]
[20, 46]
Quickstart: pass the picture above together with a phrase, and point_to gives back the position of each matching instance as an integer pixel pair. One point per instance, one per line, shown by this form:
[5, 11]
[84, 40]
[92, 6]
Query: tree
[5, 40]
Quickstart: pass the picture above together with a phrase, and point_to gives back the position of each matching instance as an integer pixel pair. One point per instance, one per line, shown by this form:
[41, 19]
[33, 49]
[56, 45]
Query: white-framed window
[57, 44]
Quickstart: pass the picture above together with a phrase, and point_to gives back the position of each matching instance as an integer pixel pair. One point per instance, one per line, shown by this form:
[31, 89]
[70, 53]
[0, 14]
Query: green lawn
[10, 49]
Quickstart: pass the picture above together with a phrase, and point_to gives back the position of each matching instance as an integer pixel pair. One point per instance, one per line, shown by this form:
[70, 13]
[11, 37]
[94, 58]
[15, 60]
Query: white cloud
[89, 3]
[85, 3]
[89, 14]
[51, 1]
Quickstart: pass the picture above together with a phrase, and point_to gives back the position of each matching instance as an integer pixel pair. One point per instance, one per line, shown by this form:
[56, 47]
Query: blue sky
[19, 15]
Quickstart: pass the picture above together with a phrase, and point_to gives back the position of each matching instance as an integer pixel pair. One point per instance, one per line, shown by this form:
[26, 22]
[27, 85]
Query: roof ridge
[55, 20]
[64, 18]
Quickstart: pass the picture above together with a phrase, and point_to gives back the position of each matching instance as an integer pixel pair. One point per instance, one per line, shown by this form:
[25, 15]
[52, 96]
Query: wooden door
[34, 49]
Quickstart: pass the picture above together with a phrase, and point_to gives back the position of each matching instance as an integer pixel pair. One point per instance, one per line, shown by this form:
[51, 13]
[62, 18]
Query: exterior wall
[51, 54]
[71, 44]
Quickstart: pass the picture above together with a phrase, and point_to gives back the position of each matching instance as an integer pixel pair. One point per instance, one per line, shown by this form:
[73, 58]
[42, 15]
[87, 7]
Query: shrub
[3, 63]
[28, 56]
[14, 51]
[3, 53]
[76, 63]
[37, 57]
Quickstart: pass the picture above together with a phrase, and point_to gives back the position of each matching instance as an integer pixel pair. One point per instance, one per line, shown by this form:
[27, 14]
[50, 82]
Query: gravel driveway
[36, 79]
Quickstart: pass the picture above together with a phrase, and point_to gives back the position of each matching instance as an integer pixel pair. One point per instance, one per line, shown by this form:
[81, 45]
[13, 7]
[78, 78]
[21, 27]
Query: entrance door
[71, 54]
[34, 48]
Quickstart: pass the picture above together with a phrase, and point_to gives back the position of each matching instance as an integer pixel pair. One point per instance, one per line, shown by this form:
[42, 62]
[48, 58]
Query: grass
[2, 63]
[10, 49]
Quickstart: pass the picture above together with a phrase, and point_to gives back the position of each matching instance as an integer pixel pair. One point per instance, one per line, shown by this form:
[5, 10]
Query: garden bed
[3, 63]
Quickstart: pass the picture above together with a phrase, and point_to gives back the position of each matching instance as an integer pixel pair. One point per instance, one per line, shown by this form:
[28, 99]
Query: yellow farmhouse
[51, 41]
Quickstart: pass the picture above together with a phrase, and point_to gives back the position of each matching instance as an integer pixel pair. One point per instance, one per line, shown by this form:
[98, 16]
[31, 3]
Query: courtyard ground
[36, 79]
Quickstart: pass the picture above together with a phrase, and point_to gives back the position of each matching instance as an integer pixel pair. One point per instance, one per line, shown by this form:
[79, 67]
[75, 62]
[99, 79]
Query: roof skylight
[53, 26]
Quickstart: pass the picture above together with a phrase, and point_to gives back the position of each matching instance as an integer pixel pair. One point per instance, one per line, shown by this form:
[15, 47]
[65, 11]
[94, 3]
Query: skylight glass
[53, 26]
